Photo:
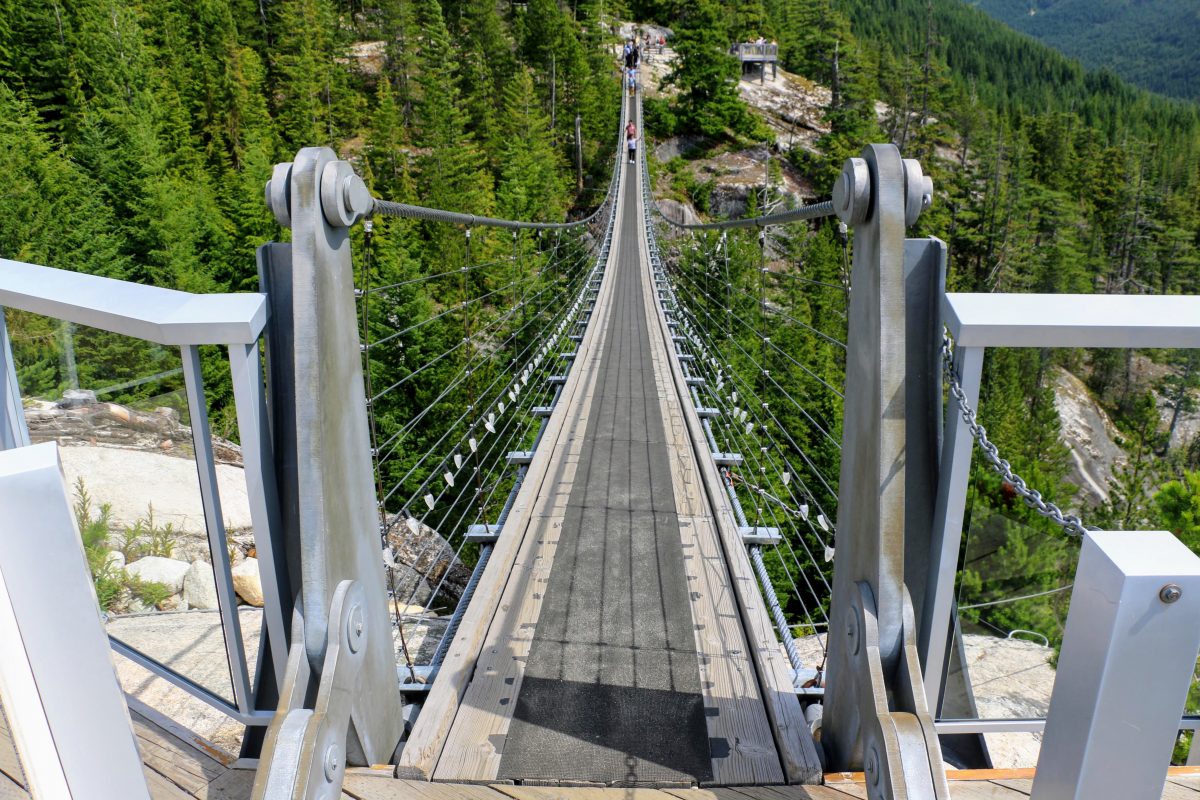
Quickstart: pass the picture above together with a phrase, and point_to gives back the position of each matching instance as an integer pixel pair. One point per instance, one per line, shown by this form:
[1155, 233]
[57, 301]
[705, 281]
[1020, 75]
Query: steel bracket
[304, 755]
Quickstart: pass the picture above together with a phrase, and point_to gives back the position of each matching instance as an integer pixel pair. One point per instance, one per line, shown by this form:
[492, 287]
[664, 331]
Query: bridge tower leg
[875, 716]
[327, 491]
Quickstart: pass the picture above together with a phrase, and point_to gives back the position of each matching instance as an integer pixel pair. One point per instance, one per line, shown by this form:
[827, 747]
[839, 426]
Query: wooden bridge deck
[181, 767]
[606, 644]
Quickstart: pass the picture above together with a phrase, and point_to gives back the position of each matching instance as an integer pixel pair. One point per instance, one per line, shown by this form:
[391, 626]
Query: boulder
[247, 582]
[678, 212]
[199, 586]
[421, 555]
[114, 560]
[166, 571]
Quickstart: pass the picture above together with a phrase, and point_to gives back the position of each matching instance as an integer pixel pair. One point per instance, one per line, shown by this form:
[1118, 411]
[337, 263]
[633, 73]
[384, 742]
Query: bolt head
[333, 762]
[1170, 593]
[355, 629]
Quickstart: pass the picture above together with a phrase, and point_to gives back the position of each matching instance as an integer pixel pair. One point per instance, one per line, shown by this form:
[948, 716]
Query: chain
[1070, 523]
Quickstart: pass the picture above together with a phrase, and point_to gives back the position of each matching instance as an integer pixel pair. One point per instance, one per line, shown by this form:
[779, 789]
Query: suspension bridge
[635, 542]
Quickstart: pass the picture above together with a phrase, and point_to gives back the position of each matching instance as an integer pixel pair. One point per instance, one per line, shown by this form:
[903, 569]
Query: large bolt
[279, 194]
[345, 199]
[333, 762]
[1170, 593]
[852, 192]
[918, 191]
[355, 629]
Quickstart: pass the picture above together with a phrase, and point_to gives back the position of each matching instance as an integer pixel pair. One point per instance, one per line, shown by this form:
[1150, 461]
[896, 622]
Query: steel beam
[322, 434]
[13, 431]
[66, 711]
[875, 716]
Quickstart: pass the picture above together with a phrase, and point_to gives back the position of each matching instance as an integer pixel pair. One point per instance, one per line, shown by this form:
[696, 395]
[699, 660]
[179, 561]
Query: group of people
[633, 60]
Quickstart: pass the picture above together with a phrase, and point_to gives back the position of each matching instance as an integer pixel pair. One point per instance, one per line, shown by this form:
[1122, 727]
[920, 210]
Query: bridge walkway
[615, 654]
[181, 766]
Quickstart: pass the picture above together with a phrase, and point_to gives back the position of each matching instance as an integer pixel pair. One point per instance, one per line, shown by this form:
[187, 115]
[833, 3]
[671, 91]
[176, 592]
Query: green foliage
[1151, 44]
[706, 74]
[143, 538]
[1178, 504]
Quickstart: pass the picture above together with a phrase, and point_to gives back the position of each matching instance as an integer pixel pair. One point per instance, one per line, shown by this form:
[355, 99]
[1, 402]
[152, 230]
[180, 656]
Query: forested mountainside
[1050, 178]
[140, 134]
[136, 138]
[1151, 44]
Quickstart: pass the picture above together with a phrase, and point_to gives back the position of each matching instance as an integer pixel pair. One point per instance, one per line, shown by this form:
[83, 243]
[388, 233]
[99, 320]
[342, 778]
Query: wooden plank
[1173, 790]
[982, 790]
[10, 762]
[580, 793]
[482, 649]
[1022, 785]
[370, 787]
[847, 788]
[10, 790]
[163, 789]
[735, 713]
[235, 784]
[793, 739]
[176, 760]
[1186, 781]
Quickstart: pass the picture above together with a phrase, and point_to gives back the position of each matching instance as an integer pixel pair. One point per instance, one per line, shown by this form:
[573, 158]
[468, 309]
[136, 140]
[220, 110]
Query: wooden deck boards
[474, 743]
[732, 697]
[188, 762]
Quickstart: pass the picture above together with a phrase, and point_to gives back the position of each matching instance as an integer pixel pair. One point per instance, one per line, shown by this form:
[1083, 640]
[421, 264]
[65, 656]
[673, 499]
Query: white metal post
[13, 432]
[948, 515]
[1127, 658]
[60, 692]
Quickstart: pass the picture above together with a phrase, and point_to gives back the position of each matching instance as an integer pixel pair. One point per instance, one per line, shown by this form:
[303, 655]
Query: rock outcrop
[1091, 437]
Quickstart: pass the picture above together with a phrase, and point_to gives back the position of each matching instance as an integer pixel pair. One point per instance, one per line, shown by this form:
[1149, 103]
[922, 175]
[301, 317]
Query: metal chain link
[1070, 523]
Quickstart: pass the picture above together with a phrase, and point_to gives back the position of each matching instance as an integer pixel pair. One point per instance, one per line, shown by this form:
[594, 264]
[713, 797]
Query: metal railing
[187, 321]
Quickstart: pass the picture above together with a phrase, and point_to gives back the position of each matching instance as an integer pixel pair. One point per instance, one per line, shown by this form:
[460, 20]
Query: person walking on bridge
[631, 139]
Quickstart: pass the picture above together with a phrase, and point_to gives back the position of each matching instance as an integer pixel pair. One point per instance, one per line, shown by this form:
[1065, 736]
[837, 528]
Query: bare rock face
[199, 586]
[1091, 437]
[79, 419]
[682, 213]
[420, 554]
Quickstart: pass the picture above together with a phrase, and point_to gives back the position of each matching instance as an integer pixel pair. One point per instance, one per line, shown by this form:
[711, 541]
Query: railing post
[57, 682]
[948, 515]
[319, 412]
[1127, 658]
[13, 432]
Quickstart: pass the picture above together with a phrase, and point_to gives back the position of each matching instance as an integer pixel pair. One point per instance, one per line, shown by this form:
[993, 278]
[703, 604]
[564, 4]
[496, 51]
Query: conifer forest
[136, 137]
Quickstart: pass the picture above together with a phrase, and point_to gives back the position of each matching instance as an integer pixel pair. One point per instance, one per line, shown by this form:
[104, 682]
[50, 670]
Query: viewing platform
[761, 53]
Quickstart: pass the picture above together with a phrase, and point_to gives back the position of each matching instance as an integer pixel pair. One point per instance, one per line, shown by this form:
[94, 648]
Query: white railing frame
[187, 321]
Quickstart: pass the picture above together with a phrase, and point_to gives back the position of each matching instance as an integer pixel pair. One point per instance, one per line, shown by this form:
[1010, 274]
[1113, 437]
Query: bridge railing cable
[763, 346]
[464, 361]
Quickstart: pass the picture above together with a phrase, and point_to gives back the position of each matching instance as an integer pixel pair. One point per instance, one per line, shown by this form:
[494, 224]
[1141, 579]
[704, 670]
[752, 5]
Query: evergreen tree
[706, 75]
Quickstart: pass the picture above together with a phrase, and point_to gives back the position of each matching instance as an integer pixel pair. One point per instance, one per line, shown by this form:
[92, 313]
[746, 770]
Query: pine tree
[706, 74]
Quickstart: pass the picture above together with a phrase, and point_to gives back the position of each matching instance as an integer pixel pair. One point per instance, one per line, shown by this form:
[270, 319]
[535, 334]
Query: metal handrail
[174, 318]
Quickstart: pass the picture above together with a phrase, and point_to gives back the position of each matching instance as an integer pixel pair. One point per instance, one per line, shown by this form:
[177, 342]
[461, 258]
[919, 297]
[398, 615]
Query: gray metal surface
[611, 691]
[1127, 658]
[325, 469]
[152, 313]
[214, 523]
[875, 716]
[13, 430]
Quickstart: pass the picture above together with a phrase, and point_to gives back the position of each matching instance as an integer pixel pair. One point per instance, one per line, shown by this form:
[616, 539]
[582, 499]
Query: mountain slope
[1148, 42]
